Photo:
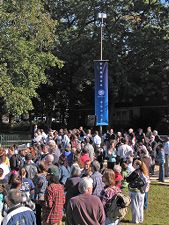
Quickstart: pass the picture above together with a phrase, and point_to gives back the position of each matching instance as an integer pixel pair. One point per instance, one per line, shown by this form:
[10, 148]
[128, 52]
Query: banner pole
[101, 57]
[101, 131]
[101, 16]
[101, 40]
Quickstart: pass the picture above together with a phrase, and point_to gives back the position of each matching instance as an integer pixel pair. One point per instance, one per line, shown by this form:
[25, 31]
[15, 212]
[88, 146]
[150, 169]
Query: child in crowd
[118, 176]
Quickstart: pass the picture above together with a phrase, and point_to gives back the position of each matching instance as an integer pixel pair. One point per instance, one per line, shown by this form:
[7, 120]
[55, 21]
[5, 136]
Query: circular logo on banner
[101, 92]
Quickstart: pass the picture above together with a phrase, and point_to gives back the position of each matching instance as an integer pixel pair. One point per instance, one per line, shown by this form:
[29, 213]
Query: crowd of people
[73, 175]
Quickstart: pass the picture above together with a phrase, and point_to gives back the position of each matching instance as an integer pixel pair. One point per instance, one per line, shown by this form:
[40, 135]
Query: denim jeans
[146, 200]
[161, 172]
[166, 164]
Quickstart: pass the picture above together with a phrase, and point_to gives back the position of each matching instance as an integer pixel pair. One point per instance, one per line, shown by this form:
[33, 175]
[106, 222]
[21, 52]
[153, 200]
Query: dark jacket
[71, 188]
[16, 162]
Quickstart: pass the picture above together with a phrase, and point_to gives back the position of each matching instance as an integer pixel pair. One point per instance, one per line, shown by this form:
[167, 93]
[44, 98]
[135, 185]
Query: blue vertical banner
[101, 92]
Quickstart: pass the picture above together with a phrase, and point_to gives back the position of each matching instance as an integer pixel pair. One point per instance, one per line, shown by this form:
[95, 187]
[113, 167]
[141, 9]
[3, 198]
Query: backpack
[118, 207]
[136, 181]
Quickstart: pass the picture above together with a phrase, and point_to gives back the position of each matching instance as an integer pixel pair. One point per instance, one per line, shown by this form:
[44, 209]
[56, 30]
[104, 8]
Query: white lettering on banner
[101, 92]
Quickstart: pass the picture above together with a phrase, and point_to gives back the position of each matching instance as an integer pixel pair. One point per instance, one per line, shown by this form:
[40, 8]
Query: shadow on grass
[159, 184]
[125, 221]
[128, 221]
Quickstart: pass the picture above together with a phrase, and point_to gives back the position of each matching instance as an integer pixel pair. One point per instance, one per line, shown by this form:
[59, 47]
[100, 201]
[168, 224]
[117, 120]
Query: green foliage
[135, 42]
[27, 39]
[137, 48]
[77, 48]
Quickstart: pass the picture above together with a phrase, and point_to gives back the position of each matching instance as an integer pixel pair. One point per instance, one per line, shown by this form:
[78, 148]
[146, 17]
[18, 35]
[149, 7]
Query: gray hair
[84, 184]
[155, 132]
[75, 170]
[15, 196]
[49, 158]
[117, 168]
[96, 165]
[52, 143]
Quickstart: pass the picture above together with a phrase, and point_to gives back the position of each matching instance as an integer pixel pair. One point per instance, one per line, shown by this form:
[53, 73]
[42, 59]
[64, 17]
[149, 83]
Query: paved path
[155, 177]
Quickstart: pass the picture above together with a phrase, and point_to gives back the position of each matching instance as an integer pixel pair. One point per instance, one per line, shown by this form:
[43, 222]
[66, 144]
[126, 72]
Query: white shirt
[124, 151]
[59, 139]
[5, 169]
[44, 135]
[130, 168]
[65, 141]
[166, 148]
[97, 140]
[38, 139]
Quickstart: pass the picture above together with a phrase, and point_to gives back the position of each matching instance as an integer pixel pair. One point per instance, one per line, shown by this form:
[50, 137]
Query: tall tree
[26, 44]
[135, 42]
[77, 48]
[137, 33]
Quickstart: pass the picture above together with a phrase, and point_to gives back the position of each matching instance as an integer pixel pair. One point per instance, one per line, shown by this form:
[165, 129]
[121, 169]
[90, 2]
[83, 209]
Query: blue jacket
[64, 174]
[20, 215]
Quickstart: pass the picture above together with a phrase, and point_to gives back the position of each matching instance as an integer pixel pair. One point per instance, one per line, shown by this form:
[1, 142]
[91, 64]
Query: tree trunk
[49, 121]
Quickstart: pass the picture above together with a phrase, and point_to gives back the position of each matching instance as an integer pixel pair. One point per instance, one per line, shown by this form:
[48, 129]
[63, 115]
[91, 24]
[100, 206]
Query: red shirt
[118, 180]
[55, 200]
[84, 158]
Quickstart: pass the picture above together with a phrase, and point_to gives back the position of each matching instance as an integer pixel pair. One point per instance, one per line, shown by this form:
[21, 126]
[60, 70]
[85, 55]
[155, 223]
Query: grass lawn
[158, 211]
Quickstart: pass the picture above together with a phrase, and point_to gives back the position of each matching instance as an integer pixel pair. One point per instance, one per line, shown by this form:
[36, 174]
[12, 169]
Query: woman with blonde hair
[142, 166]
[4, 162]
[137, 194]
